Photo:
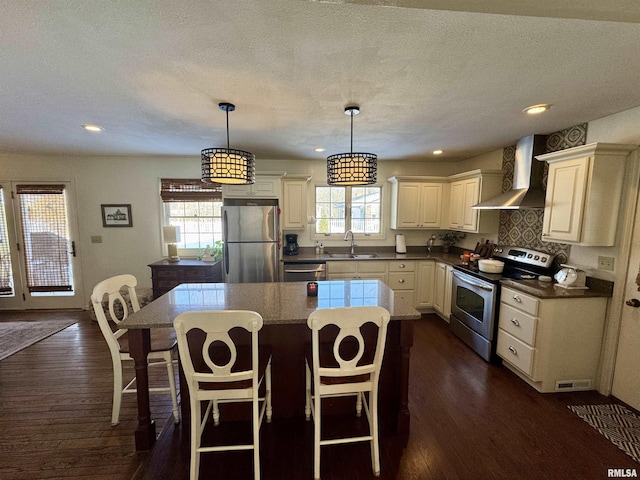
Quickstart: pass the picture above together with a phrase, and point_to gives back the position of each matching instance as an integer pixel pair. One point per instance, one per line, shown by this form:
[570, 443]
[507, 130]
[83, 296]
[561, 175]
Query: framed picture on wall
[116, 215]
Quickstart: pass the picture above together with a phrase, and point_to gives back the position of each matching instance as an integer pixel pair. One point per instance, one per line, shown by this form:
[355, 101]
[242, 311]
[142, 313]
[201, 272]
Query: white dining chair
[329, 374]
[163, 342]
[235, 377]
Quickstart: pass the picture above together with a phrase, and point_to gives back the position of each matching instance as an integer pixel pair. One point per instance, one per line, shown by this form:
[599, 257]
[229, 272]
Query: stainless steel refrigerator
[251, 248]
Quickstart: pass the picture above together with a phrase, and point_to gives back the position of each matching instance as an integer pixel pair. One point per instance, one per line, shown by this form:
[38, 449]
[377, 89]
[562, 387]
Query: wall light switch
[96, 239]
[605, 263]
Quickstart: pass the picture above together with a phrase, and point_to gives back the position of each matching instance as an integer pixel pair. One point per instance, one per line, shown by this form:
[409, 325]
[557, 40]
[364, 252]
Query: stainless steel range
[475, 295]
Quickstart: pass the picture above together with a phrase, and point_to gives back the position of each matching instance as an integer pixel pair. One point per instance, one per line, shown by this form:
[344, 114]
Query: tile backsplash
[524, 227]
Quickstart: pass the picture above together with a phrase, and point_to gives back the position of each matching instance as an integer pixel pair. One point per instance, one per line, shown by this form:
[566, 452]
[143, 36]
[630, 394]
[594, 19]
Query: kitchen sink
[356, 255]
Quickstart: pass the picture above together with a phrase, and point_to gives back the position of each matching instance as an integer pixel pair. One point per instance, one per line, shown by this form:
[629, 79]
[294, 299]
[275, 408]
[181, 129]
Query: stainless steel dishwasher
[304, 272]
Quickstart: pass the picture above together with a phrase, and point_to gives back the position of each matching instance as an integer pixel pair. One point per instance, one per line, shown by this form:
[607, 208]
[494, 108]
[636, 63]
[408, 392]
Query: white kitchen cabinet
[402, 279]
[584, 188]
[357, 270]
[442, 289]
[399, 275]
[553, 344]
[294, 203]
[417, 202]
[266, 186]
[468, 189]
[425, 288]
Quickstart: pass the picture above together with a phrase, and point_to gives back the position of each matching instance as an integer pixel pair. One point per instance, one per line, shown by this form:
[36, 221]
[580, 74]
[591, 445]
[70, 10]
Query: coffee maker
[291, 248]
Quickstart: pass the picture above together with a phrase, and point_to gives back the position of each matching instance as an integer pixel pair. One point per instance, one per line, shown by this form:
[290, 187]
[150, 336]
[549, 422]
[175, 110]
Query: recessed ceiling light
[535, 109]
[92, 128]
[438, 152]
[319, 149]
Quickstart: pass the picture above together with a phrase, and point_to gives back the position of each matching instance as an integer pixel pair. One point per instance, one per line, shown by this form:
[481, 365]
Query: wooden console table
[166, 275]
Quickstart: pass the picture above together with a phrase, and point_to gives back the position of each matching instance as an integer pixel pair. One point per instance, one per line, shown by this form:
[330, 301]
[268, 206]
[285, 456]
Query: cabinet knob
[401, 280]
[402, 265]
[515, 322]
[517, 298]
[634, 302]
[513, 350]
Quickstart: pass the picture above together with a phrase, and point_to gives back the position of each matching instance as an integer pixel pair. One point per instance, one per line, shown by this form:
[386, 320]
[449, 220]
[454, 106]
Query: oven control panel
[524, 255]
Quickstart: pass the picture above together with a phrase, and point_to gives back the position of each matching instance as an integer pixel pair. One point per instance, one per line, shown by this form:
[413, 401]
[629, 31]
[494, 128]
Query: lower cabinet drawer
[520, 300]
[402, 266]
[517, 353]
[402, 281]
[518, 324]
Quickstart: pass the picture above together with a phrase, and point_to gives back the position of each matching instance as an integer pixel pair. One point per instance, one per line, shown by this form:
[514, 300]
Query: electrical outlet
[96, 239]
[605, 263]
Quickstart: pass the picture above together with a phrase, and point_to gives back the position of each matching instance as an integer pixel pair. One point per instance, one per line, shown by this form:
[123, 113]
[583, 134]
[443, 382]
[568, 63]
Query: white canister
[401, 244]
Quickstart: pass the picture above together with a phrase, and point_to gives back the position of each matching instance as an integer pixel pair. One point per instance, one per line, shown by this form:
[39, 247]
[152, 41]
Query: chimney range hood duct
[527, 191]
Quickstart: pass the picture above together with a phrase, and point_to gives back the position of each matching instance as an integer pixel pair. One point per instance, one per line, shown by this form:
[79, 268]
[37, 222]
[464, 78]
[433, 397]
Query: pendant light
[227, 165]
[352, 168]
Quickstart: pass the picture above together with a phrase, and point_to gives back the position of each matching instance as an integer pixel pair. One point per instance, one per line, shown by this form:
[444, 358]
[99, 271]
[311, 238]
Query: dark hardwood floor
[469, 420]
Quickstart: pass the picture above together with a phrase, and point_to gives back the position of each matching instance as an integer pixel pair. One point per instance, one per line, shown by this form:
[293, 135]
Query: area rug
[617, 423]
[15, 336]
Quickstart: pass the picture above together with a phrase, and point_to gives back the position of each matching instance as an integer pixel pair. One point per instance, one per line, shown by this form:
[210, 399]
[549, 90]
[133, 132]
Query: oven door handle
[475, 284]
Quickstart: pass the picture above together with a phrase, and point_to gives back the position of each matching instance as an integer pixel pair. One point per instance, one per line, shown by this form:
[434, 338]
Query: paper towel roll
[401, 244]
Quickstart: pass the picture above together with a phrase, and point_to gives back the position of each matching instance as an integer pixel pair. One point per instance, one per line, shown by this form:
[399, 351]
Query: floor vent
[572, 385]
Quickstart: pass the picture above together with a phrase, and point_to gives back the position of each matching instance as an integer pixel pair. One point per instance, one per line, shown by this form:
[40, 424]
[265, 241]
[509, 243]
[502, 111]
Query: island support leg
[140, 345]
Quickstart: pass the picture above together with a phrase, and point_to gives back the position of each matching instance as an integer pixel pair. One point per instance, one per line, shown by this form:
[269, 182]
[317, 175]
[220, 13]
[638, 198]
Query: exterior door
[626, 380]
[39, 267]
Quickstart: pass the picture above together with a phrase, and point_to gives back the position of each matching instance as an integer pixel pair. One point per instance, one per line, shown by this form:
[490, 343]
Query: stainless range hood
[527, 191]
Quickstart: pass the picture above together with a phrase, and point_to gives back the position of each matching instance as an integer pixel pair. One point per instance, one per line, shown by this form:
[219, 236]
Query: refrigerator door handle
[225, 253]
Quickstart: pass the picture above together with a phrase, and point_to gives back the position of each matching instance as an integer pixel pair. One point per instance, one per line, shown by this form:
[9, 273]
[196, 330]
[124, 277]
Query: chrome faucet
[353, 243]
[430, 243]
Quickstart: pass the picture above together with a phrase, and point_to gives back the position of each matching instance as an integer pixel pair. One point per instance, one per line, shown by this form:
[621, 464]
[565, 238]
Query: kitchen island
[285, 308]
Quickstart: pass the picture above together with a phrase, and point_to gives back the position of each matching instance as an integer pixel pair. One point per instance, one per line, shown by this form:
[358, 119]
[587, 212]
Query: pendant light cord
[351, 113]
[227, 128]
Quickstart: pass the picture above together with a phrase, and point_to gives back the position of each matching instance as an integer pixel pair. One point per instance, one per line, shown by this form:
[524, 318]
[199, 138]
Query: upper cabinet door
[469, 189]
[456, 219]
[464, 195]
[564, 204]
[416, 204]
[408, 209]
[471, 197]
[584, 190]
[265, 187]
[294, 204]
[431, 205]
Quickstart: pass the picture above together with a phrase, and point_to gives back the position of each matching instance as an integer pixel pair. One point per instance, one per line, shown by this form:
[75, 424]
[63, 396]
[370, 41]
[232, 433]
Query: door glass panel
[6, 274]
[45, 231]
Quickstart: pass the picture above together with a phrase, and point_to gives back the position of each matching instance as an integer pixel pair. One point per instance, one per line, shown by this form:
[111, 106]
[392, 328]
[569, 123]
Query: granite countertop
[279, 303]
[597, 288]
[308, 255]
[551, 290]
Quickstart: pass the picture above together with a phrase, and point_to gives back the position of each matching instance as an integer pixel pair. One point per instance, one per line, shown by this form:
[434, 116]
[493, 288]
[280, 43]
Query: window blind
[189, 190]
[45, 232]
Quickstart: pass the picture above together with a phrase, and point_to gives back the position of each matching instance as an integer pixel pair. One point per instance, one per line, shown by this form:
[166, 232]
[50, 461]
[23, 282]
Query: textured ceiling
[426, 74]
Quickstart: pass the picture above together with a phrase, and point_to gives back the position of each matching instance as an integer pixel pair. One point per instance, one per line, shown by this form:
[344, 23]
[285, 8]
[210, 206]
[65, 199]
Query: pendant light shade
[353, 168]
[228, 165]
